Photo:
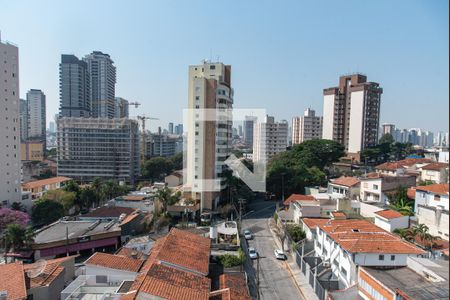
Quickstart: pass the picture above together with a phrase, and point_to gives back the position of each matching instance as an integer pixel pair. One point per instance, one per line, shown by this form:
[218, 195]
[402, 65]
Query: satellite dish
[37, 268]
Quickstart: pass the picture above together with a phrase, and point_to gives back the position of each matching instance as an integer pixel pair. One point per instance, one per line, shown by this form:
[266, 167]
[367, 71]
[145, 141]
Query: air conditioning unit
[326, 264]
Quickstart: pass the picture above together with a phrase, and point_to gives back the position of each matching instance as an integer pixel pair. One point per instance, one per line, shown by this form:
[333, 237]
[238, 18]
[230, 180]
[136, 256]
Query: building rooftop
[298, 197]
[231, 286]
[12, 280]
[49, 273]
[439, 188]
[407, 282]
[408, 162]
[437, 166]
[389, 214]
[108, 212]
[346, 181]
[362, 236]
[57, 231]
[114, 261]
[44, 182]
[313, 222]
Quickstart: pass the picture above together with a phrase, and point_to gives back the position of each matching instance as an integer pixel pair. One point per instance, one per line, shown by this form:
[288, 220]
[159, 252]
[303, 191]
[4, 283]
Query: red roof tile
[236, 286]
[439, 188]
[43, 182]
[365, 237]
[112, 261]
[411, 193]
[389, 214]
[12, 280]
[346, 181]
[298, 197]
[312, 223]
[435, 166]
[392, 166]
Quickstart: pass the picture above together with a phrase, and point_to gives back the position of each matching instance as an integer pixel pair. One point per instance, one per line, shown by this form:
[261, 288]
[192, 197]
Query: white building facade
[269, 138]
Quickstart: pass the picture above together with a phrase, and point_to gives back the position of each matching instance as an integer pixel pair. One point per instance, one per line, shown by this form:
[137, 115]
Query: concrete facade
[307, 127]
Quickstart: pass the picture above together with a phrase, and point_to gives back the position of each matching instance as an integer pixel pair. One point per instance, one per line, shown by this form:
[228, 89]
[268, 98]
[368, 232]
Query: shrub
[296, 232]
[229, 260]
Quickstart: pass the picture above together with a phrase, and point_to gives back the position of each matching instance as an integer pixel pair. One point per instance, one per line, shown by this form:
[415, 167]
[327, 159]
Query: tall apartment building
[9, 125]
[36, 115]
[179, 129]
[74, 87]
[170, 128]
[351, 113]
[388, 129]
[23, 120]
[269, 138]
[307, 127]
[98, 147]
[249, 123]
[164, 145]
[121, 108]
[103, 84]
[208, 142]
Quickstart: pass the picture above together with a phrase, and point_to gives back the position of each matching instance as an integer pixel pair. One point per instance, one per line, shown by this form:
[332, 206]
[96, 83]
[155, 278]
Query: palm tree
[403, 207]
[17, 238]
[167, 198]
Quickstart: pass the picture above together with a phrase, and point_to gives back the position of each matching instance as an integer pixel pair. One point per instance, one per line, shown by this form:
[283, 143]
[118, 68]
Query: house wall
[92, 270]
[392, 224]
[368, 210]
[435, 176]
[437, 222]
[50, 292]
[173, 181]
[429, 199]
[370, 288]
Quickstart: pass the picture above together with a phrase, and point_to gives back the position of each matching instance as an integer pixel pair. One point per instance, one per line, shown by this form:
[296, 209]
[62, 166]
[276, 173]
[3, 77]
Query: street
[276, 281]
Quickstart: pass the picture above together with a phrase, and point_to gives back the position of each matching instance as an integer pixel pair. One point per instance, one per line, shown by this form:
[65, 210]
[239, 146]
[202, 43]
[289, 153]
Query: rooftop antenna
[37, 268]
[210, 55]
[218, 58]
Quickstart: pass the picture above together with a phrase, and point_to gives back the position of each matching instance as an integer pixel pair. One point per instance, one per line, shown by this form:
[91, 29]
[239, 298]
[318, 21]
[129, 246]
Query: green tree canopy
[46, 211]
[65, 198]
[156, 168]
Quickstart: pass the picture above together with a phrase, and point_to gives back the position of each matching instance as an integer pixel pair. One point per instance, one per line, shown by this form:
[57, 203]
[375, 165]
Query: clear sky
[283, 53]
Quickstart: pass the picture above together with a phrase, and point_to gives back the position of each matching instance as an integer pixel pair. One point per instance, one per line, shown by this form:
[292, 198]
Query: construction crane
[136, 104]
[142, 118]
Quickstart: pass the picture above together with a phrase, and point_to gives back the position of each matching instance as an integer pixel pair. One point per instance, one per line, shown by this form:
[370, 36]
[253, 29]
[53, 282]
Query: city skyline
[293, 67]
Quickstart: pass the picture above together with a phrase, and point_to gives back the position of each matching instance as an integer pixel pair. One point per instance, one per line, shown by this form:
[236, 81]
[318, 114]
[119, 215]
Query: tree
[11, 216]
[18, 206]
[156, 168]
[46, 211]
[296, 232]
[401, 203]
[65, 198]
[87, 198]
[71, 186]
[387, 138]
[167, 197]
[18, 237]
[177, 161]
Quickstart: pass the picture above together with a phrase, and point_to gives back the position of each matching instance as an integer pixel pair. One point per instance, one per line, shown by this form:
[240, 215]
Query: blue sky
[283, 53]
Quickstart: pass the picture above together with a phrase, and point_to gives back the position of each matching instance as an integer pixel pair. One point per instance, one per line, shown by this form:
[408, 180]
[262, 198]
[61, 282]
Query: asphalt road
[275, 280]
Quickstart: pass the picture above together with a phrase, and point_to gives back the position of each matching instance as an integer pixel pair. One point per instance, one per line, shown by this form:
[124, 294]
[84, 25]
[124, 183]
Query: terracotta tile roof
[51, 271]
[133, 198]
[129, 218]
[363, 236]
[12, 280]
[439, 188]
[338, 215]
[435, 166]
[346, 181]
[298, 197]
[131, 253]
[109, 212]
[170, 283]
[411, 193]
[389, 214]
[312, 223]
[112, 261]
[392, 166]
[233, 286]
[43, 182]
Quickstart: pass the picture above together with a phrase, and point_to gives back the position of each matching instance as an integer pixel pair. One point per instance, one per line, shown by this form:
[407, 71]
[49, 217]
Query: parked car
[252, 253]
[280, 254]
[248, 234]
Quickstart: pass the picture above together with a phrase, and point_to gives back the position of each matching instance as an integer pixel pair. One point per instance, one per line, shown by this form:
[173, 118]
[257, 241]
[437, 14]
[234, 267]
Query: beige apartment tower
[351, 113]
[208, 143]
[307, 127]
[9, 125]
[269, 138]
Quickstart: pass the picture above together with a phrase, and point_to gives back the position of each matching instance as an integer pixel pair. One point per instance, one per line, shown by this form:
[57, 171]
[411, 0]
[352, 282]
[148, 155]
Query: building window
[437, 198]
[392, 257]
[212, 67]
[381, 257]
[375, 187]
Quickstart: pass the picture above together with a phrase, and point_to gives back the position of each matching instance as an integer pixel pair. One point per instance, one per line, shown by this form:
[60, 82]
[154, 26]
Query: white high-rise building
[351, 113]
[36, 115]
[307, 127]
[9, 125]
[269, 138]
[102, 74]
[208, 142]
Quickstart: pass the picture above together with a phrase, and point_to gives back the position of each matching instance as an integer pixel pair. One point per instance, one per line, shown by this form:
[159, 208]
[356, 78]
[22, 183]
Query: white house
[343, 245]
[432, 208]
[374, 186]
[436, 172]
[344, 186]
[402, 167]
[175, 179]
[390, 220]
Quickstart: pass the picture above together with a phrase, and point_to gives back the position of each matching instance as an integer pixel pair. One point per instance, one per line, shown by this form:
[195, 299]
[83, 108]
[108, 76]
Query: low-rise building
[31, 151]
[13, 281]
[390, 220]
[435, 172]
[142, 201]
[344, 187]
[375, 186]
[345, 245]
[432, 208]
[421, 279]
[403, 167]
[175, 179]
[39, 187]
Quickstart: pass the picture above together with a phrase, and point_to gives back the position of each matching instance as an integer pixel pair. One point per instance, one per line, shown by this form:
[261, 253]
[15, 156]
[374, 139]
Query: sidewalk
[299, 279]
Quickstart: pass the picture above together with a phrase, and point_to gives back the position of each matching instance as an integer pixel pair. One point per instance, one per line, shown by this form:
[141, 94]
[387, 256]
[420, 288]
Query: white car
[252, 253]
[280, 254]
[248, 234]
